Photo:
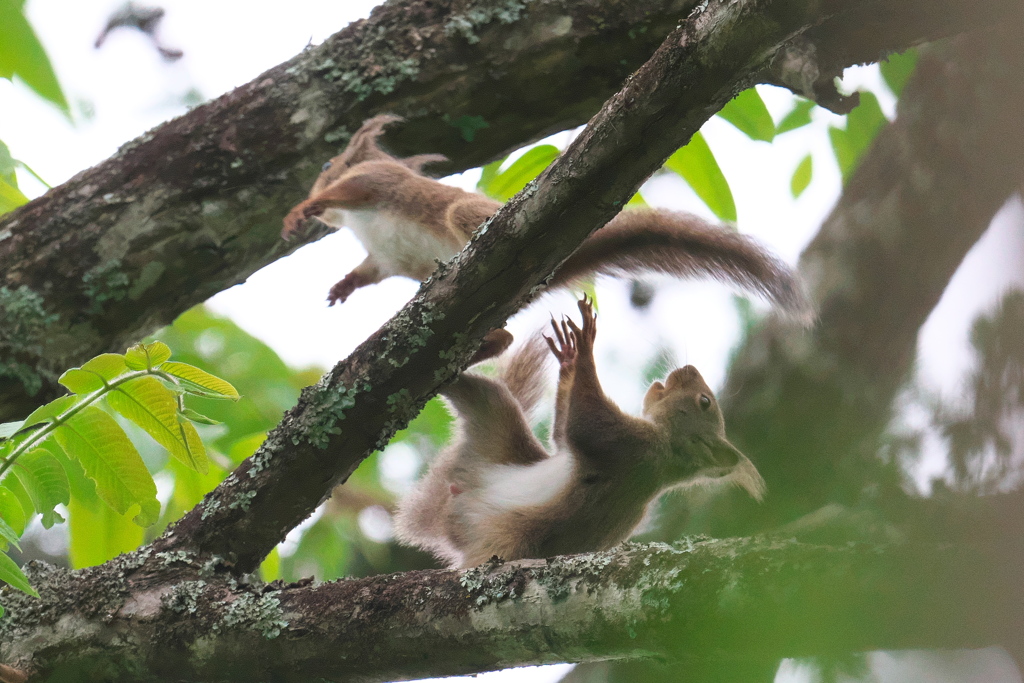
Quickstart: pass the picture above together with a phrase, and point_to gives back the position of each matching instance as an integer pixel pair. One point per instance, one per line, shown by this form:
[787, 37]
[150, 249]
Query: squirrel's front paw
[292, 223]
[343, 289]
[565, 348]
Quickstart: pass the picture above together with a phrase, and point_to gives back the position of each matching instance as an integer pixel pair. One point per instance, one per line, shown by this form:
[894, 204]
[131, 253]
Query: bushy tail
[681, 244]
[523, 372]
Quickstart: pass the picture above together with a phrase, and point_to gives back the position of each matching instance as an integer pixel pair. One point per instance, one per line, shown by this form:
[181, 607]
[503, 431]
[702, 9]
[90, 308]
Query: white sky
[129, 89]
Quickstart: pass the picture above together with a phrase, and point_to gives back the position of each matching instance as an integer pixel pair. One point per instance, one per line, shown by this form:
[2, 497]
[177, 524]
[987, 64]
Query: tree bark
[738, 601]
[193, 207]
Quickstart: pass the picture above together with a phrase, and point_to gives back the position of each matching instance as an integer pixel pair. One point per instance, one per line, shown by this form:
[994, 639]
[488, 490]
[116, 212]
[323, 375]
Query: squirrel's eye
[326, 166]
[704, 402]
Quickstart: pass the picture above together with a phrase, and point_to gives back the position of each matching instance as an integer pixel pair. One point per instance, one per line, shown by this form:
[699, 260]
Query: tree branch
[193, 206]
[733, 600]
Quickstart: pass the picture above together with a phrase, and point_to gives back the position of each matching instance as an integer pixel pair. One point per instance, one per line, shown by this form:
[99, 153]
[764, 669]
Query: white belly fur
[398, 245]
[507, 487]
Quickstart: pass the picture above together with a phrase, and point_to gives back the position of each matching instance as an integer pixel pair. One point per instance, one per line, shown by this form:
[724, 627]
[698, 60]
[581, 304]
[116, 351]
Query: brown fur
[364, 177]
[619, 463]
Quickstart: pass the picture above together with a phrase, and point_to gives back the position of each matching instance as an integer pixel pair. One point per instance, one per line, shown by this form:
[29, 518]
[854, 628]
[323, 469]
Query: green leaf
[144, 356]
[198, 418]
[13, 576]
[270, 568]
[79, 381]
[11, 510]
[8, 534]
[801, 176]
[195, 446]
[697, 166]
[99, 534]
[636, 201]
[51, 410]
[10, 196]
[7, 166]
[198, 382]
[862, 125]
[897, 70]
[111, 461]
[509, 182]
[46, 483]
[22, 55]
[107, 366]
[747, 112]
[798, 117]
[152, 406]
[488, 173]
[9, 429]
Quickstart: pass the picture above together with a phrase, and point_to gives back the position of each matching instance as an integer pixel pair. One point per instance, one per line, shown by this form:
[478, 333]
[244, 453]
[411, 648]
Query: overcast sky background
[126, 88]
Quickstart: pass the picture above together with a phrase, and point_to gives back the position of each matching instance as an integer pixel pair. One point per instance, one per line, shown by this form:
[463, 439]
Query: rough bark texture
[194, 206]
[738, 600]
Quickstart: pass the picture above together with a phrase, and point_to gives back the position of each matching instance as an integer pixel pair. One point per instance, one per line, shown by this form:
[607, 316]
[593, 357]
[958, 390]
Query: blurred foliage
[749, 114]
[22, 55]
[10, 196]
[801, 176]
[985, 436]
[862, 125]
[897, 69]
[696, 164]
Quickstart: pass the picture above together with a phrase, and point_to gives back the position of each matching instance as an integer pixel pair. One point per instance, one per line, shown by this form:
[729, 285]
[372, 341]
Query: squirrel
[496, 491]
[407, 222]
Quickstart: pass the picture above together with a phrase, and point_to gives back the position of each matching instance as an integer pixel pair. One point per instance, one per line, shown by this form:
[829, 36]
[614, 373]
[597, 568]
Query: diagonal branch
[193, 206]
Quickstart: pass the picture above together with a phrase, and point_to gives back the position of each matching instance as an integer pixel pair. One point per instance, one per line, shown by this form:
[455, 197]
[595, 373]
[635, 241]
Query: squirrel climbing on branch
[497, 491]
[407, 222]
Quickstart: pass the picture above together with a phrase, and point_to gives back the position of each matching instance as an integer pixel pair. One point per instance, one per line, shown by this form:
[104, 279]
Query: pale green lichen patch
[210, 506]
[328, 406]
[262, 614]
[167, 559]
[242, 501]
[467, 23]
[260, 460]
[104, 283]
[388, 72]
[26, 324]
[184, 597]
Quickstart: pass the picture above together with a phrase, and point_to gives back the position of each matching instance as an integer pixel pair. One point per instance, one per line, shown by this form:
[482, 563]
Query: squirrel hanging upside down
[407, 222]
[497, 491]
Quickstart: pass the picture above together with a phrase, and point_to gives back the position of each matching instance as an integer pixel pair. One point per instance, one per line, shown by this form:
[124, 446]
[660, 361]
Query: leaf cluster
[72, 446]
[696, 164]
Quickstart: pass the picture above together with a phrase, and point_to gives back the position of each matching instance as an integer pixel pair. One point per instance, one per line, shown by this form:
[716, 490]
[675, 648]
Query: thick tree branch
[193, 207]
[732, 600]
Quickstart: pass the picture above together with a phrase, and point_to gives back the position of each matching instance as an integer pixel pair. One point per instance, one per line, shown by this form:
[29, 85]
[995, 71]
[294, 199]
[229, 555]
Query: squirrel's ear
[743, 473]
[653, 395]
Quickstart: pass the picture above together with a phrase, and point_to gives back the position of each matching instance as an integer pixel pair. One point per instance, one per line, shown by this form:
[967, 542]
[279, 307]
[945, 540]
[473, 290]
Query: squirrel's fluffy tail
[684, 245]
